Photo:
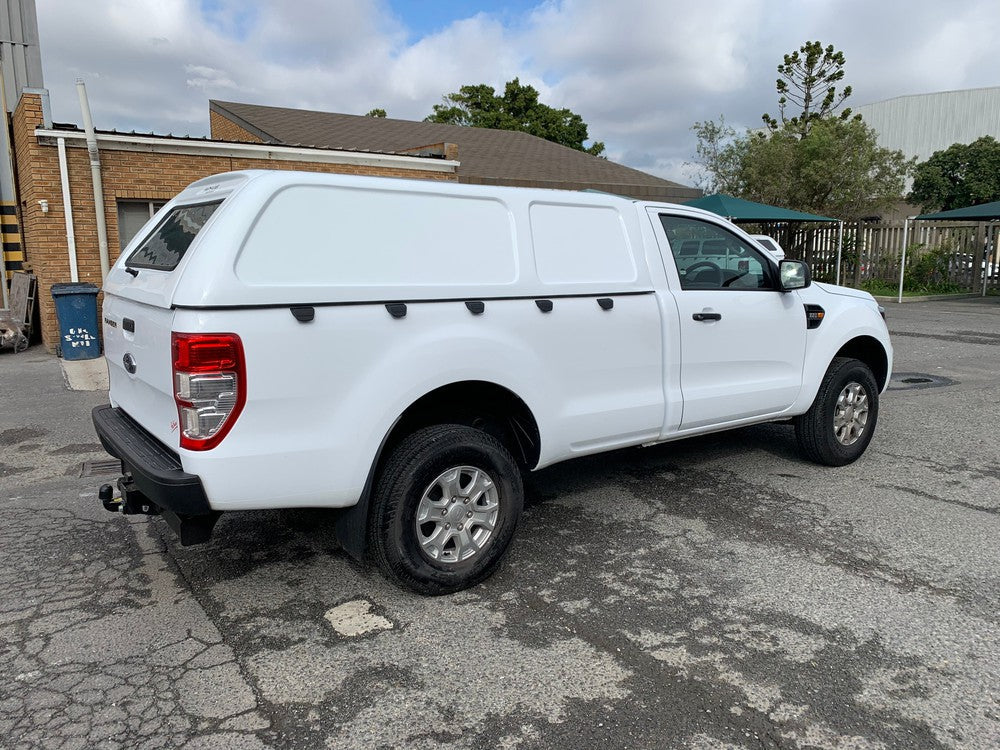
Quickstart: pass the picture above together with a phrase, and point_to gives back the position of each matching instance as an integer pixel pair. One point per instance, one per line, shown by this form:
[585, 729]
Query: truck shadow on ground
[691, 454]
[245, 540]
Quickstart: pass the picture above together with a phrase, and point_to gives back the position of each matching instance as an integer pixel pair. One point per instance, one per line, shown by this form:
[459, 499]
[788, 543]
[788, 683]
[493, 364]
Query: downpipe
[74, 275]
[95, 174]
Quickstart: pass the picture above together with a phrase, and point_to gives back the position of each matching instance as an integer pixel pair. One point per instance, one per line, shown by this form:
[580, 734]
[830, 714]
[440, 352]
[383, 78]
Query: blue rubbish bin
[76, 308]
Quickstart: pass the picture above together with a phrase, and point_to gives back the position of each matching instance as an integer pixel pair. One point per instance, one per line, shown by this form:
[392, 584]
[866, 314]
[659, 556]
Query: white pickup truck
[405, 350]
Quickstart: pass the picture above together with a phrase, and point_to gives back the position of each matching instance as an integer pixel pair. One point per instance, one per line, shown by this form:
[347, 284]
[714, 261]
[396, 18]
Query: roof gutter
[264, 151]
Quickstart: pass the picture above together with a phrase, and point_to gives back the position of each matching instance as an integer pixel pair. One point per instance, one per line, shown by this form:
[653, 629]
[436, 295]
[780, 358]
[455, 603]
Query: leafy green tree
[809, 78]
[961, 175]
[518, 108]
[377, 112]
[815, 161]
[720, 155]
[837, 170]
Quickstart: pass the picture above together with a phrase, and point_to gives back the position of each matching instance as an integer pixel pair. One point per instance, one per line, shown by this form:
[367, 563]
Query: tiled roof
[498, 157]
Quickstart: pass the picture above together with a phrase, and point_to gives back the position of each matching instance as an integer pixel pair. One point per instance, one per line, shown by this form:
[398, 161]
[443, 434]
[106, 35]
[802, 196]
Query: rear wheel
[839, 425]
[445, 509]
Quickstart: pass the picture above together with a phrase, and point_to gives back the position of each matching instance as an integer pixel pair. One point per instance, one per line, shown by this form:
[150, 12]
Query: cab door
[742, 340]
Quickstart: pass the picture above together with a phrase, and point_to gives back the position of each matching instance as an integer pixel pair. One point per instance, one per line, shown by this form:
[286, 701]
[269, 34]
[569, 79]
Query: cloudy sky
[640, 73]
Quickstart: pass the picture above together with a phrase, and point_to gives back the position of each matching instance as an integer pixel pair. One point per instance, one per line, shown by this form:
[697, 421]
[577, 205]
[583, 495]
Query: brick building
[140, 172]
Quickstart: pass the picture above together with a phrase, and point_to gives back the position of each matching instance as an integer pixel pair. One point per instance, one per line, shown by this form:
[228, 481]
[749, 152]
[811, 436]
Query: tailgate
[138, 315]
[137, 347]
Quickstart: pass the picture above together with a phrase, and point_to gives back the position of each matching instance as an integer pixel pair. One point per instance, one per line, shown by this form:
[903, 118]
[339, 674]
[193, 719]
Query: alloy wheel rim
[457, 514]
[850, 415]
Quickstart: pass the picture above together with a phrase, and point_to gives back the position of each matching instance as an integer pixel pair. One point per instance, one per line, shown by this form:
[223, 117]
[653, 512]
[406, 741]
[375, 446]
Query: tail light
[210, 386]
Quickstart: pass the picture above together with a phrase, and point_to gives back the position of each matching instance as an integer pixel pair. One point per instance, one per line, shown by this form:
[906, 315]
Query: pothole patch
[907, 381]
[355, 618]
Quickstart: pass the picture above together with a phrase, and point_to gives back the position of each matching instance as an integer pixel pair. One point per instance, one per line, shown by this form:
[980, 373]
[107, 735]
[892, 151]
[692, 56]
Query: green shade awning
[982, 212]
[738, 209]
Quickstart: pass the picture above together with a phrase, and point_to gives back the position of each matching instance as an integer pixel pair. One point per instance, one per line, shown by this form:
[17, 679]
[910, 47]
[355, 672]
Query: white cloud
[639, 73]
[209, 79]
[474, 50]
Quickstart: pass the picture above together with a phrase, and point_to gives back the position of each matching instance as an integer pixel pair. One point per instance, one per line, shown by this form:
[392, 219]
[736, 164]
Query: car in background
[770, 244]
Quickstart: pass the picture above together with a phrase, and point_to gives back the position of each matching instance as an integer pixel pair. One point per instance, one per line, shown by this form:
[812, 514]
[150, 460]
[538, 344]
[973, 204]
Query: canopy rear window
[165, 246]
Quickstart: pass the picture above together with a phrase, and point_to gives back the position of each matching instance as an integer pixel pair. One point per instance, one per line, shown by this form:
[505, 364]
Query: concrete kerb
[85, 374]
[926, 298]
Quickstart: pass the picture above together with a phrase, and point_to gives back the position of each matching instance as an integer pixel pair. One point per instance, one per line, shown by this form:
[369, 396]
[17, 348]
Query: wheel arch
[476, 403]
[869, 350]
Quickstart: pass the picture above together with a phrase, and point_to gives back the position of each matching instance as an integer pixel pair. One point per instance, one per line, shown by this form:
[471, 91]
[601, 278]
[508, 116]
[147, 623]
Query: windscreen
[165, 246]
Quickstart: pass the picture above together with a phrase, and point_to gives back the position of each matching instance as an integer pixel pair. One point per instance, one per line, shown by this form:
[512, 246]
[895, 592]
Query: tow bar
[130, 501]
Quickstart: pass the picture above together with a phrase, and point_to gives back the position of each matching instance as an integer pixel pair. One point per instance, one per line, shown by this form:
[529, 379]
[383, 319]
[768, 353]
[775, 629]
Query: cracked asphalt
[713, 593]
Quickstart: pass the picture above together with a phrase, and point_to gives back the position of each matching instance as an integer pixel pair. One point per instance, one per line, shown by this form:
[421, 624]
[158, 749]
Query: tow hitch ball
[108, 499]
[130, 501]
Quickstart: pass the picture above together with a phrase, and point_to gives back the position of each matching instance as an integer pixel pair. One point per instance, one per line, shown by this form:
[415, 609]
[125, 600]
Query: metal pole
[840, 248]
[982, 237]
[902, 262]
[95, 173]
[74, 275]
[990, 264]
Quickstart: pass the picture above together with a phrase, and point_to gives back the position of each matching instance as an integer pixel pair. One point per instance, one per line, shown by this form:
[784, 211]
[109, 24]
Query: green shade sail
[982, 212]
[738, 209]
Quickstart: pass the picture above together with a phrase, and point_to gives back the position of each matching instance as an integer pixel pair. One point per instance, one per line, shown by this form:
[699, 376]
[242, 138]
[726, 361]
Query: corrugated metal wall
[19, 50]
[21, 68]
[921, 124]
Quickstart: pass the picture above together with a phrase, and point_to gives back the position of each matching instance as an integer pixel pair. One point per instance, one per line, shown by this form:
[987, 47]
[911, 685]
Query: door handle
[703, 316]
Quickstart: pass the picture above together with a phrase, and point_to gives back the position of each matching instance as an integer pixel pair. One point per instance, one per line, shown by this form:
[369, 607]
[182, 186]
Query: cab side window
[708, 256]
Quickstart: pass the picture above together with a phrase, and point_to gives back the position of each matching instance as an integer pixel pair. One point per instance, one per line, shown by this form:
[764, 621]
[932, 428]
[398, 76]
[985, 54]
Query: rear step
[189, 529]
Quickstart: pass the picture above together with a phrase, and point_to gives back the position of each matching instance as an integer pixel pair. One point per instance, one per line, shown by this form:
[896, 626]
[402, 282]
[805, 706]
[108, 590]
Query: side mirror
[793, 274]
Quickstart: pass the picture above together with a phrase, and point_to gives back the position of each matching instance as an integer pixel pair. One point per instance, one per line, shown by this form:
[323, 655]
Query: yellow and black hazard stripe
[13, 250]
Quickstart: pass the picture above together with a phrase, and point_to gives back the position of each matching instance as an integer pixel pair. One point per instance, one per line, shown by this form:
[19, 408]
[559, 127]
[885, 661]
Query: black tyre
[839, 425]
[445, 508]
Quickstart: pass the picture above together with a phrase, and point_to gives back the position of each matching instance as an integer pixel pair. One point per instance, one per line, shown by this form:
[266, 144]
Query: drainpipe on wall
[67, 210]
[95, 172]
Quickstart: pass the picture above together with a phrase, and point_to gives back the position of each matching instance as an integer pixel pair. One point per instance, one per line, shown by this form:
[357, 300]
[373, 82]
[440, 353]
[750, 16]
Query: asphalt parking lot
[714, 593]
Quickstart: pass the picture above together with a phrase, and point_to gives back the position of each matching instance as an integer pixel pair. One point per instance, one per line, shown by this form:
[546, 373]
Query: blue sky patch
[234, 21]
[423, 17]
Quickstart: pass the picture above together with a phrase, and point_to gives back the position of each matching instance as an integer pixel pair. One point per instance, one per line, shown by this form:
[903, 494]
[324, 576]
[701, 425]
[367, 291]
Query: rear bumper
[155, 469]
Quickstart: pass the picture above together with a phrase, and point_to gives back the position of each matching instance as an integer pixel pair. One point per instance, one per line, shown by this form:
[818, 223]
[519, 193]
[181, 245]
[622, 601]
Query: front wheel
[445, 509]
[839, 425]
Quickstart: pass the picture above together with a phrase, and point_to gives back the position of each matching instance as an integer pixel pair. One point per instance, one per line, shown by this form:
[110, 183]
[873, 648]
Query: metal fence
[941, 256]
